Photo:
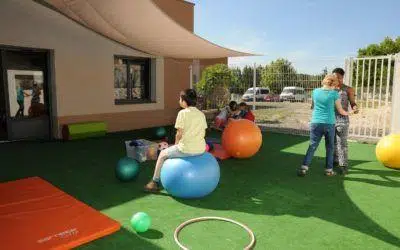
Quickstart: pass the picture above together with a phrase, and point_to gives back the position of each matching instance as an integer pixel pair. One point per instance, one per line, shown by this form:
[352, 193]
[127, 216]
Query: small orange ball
[241, 138]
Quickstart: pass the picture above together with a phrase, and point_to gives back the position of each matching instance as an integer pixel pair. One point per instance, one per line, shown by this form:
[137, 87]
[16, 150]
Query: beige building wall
[183, 13]
[84, 66]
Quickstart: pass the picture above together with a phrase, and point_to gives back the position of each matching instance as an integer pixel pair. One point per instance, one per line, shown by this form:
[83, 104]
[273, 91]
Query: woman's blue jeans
[318, 130]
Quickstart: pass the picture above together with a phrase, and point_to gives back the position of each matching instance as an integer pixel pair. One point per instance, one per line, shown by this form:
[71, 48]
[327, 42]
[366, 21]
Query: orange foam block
[219, 152]
[36, 215]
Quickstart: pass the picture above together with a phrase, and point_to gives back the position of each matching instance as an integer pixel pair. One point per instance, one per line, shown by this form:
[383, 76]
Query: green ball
[140, 222]
[161, 132]
[127, 169]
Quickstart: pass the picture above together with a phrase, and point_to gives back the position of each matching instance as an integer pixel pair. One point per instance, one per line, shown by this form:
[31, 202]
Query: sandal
[152, 187]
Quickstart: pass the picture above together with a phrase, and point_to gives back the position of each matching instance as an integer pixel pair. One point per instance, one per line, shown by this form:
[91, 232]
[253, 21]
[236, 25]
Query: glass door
[26, 90]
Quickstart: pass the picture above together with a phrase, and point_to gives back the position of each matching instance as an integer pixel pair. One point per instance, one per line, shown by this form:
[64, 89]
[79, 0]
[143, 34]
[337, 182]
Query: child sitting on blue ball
[191, 128]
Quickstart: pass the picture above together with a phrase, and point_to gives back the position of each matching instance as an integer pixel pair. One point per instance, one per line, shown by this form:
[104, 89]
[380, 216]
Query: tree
[236, 83]
[278, 74]
[247, 77]
[387, 47]
[248, 74]
[213, 85]
[259, 71]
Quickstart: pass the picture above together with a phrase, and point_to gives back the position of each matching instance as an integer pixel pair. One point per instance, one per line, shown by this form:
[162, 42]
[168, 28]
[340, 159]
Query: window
[264, 91]
[132, 80]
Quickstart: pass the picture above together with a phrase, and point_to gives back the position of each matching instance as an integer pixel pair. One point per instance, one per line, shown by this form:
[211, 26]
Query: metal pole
[373, 98]
[395, 126]
[387, 96]
[254, 86]
[348, 73]
[378, 121]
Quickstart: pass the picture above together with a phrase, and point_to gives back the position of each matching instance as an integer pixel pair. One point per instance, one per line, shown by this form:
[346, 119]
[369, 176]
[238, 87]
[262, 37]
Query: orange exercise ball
[241, 138]
[388, 151]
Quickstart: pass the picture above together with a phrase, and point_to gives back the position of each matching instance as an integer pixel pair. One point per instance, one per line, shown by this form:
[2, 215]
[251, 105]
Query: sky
[312, 34]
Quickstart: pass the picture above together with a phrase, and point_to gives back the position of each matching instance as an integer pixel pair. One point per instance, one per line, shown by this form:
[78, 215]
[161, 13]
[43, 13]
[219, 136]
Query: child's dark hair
[233, 105]
[189, 96]
[339, 71]
[243, 104]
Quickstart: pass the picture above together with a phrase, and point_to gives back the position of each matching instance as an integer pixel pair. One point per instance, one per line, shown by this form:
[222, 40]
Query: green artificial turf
[359, 211]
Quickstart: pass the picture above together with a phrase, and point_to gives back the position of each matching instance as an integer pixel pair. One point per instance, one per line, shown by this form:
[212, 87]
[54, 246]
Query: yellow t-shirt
[193, 123]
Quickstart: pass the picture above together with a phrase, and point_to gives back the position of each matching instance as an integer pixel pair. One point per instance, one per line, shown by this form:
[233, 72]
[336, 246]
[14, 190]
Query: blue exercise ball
[127, 169]
[190, 177]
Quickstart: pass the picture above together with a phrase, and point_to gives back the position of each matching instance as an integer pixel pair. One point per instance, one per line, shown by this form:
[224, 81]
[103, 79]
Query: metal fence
[281, 95]
[372, 79]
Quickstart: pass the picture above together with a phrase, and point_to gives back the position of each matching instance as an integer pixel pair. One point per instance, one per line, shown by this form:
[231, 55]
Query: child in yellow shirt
[191, 128]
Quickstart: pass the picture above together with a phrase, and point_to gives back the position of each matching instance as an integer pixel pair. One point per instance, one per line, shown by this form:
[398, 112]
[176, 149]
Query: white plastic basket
[142, 153]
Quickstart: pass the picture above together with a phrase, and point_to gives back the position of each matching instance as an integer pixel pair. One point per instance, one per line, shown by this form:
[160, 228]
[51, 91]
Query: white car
[293, 94]
[260, 94]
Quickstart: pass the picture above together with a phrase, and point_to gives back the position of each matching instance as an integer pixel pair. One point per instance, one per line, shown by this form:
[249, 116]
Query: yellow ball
[388, 151]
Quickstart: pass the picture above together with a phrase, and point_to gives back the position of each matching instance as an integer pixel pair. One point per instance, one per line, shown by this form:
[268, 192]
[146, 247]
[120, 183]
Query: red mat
[219, 152]
[36, 215]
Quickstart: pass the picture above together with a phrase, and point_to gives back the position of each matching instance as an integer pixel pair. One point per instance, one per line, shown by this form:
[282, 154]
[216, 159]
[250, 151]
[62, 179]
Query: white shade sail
[142, 25]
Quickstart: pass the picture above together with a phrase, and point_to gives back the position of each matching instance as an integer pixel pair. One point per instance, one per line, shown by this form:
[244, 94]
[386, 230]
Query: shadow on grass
[264, 184]
[267, 184]
[123, 239]
[85, 170]
[152, 234]
[385, 175]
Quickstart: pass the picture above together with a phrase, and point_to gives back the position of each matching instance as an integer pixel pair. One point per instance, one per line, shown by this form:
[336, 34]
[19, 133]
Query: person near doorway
[21, 101]
[347, 98]
[36, 92]
[36, 109]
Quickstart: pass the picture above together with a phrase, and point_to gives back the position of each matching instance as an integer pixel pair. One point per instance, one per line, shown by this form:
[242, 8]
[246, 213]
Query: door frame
[48, 76]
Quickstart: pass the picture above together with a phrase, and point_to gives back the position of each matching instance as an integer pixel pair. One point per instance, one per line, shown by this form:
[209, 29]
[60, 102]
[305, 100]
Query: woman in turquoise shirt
[21, 101]
[325, 100]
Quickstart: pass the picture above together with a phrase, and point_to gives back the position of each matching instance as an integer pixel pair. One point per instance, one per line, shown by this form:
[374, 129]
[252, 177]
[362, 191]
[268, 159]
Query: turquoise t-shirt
[324, 106]
[20, 95]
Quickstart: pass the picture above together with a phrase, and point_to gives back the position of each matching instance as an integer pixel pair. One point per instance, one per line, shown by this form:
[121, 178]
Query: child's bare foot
[152, 187]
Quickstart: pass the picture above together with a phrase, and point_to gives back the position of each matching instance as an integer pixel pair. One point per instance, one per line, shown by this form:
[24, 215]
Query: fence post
[395, 126]
[254, 86]
[348, 71]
